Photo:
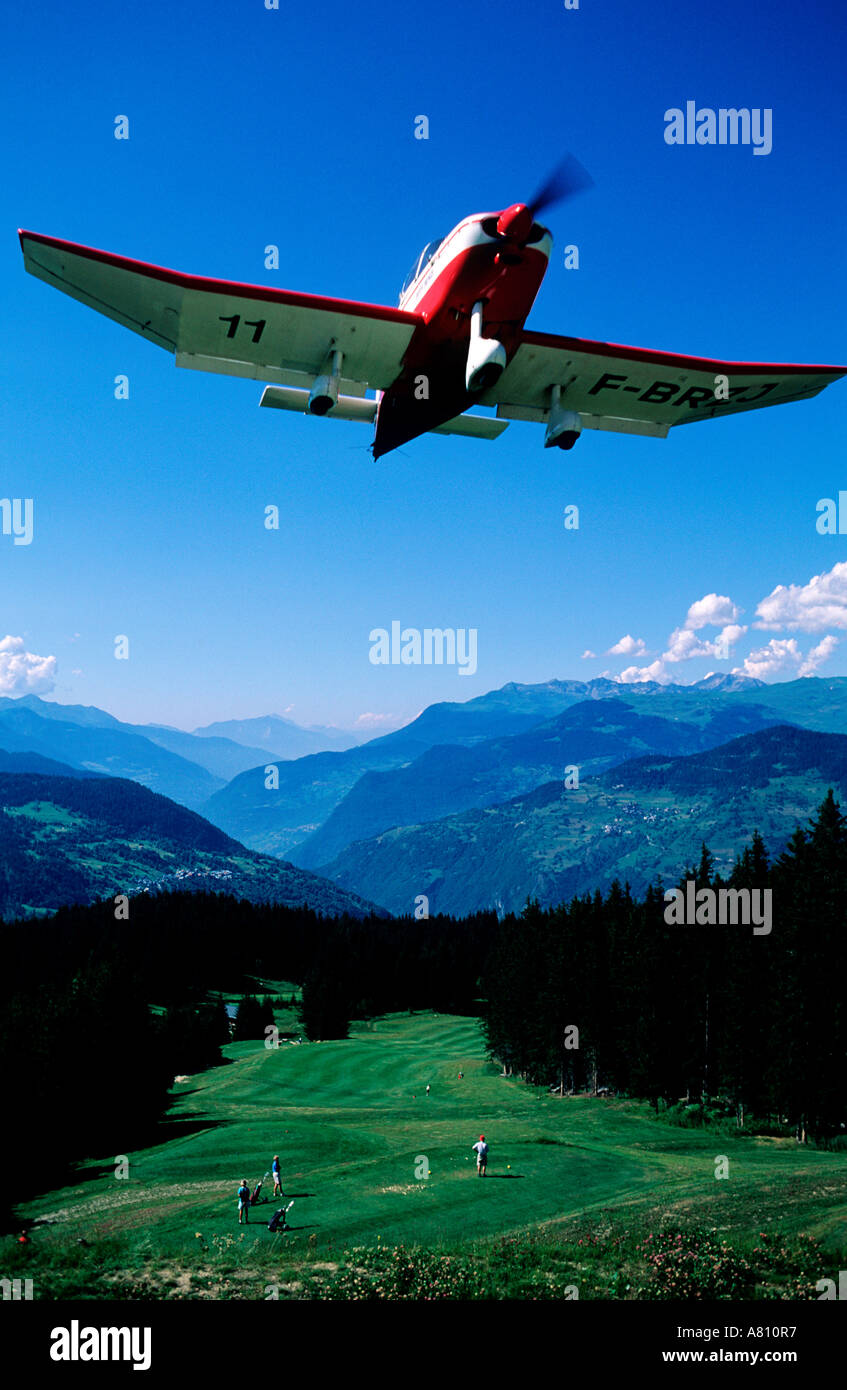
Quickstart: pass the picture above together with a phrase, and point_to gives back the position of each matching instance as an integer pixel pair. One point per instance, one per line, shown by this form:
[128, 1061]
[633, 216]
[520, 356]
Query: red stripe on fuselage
[436, 357]
[508, 290]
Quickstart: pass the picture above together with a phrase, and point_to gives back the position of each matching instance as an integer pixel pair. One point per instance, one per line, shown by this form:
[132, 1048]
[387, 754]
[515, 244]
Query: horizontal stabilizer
[291, 398]
[360, 408]
[475, 426]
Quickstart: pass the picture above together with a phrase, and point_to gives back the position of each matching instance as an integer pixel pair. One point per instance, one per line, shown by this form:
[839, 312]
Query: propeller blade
[566, 180]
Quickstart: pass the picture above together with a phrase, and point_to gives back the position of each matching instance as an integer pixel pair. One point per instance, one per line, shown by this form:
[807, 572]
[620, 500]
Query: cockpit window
[419, 265]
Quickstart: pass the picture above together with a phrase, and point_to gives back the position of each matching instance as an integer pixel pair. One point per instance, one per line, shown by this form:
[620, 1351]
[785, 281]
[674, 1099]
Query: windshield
[423, 259]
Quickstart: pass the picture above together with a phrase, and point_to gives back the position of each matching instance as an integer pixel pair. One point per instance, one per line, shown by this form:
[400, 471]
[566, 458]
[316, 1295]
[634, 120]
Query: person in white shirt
[481, 1156]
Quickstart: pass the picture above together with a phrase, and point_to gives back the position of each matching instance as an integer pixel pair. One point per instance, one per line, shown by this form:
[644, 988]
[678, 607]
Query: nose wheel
[485, 377]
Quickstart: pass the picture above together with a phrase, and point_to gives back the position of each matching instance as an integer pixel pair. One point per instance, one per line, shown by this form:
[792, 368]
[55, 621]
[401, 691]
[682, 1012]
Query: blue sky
[296, 127]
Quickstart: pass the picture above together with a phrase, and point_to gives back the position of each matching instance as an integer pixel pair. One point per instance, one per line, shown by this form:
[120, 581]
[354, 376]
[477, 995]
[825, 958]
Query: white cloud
[713, 610]
[654, 672]
[588, 655]
[811, 607]
[767, 661]
[22, 672]
[628, 646]
[373, 721]
[818, 655]
[783, 654]
[684, 645]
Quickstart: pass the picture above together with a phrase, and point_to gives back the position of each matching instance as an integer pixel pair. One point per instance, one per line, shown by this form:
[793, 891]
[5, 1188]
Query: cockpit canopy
[425, 256]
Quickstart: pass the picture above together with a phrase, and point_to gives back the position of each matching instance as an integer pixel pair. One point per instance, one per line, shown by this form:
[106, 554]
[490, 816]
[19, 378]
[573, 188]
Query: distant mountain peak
[724, 680]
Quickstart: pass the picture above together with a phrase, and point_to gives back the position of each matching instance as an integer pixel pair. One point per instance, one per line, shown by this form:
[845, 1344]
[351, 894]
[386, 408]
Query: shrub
[694, 1264]
[397, 1273]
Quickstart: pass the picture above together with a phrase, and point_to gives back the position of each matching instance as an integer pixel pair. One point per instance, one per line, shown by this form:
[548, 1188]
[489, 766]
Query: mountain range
[76, 838]
[590, 736]
[454, 757]
[380, 817]
[187, 767]
[281, 737]
[644, 819]
[280, 817]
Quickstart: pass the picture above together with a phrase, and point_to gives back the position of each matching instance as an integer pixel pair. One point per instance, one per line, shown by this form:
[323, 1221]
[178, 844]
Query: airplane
[456, 339]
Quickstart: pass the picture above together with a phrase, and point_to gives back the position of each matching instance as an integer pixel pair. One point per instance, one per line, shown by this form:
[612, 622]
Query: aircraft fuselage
[473, 265]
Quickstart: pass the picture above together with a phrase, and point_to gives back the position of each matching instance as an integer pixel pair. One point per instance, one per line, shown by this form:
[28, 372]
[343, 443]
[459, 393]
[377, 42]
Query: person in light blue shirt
[275, 1171]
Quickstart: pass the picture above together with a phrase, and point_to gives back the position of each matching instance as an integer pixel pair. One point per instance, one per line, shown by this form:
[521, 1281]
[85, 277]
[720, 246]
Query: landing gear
[324, 394]
[564, 426]
[486, 356]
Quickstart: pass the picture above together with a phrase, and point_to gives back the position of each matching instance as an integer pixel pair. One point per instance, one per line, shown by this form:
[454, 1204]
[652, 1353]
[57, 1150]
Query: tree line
[604, 992]
[98, 1014]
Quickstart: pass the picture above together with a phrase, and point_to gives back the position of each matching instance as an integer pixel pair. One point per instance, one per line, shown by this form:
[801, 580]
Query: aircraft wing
[637, 391]
[220, 326]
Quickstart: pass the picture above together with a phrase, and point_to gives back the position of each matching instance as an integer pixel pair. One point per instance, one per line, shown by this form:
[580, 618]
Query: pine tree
[249, 1019]
[326, 1008]
[706, 868]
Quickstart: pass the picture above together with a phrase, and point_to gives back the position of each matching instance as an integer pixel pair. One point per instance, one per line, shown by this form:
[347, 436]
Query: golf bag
[254, 1195]
[278, 1221]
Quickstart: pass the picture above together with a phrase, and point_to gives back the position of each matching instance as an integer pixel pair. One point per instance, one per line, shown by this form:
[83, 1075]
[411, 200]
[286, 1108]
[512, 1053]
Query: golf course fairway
[357, 1134]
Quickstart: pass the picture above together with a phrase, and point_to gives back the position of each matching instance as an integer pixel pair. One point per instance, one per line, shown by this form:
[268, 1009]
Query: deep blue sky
[295, 127]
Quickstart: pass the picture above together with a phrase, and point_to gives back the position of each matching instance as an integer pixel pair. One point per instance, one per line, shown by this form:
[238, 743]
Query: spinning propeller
[566, 180]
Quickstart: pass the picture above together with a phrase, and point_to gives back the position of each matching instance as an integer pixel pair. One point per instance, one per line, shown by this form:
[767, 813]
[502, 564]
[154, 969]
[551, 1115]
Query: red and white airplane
[457, 339]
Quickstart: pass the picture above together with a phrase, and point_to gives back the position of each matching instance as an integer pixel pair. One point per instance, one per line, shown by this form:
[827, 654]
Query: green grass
[573, 1188]
[45, 814]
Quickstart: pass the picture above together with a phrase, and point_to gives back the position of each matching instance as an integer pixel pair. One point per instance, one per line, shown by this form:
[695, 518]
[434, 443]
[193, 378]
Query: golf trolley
[278, 1221]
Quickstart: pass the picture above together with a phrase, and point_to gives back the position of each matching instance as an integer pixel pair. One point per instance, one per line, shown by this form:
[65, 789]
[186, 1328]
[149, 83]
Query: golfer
[276, 1177]
[481, 1156]
[244, 1202]
[427, 1089]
